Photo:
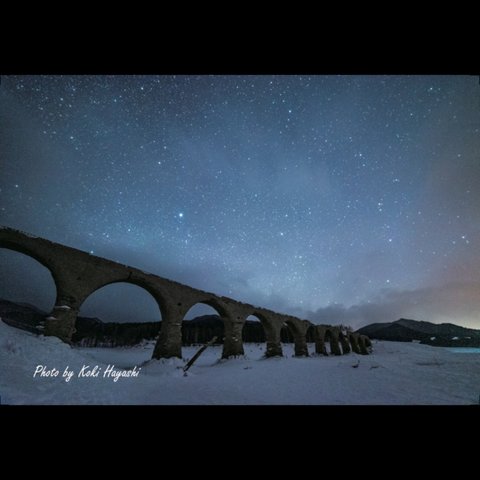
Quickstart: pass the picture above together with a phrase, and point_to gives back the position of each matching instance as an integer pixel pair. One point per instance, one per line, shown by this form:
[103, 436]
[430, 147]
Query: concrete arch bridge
[78, 274]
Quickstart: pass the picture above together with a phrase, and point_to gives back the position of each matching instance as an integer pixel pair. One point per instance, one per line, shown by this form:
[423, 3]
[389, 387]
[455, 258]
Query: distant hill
[22, 315]
[441, 335]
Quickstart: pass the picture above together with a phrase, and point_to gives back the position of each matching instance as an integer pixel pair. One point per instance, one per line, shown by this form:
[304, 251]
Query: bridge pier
[274, 348]
[362, 345]
[273, 338]
[319, 332]
[345, 343]
[233, 343]
[299, 331]
[334, 337]
[61, 323]
[354, 342]
[169, 343]
[301, 347]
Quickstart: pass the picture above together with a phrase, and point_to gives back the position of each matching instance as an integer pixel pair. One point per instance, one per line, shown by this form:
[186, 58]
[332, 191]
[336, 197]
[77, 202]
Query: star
[211, 181]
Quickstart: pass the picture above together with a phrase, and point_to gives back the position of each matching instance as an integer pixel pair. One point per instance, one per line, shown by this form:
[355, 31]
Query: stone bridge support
[299, 331]
[362, 345]
[234, 321]
[233, 343]
[334, 338]
[345, 343]
[319, 332]
[354, 342]
[169, 343]
[272, 324]
[61, 323]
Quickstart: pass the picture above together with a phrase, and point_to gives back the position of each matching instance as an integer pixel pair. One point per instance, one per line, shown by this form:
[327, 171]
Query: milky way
[335, 198]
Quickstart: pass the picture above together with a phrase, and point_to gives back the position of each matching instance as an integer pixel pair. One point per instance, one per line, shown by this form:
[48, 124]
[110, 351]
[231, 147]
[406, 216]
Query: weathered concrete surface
[61, 324]
[169, 343]
[319, 333]
[362, 344]
[353, 337]
[272, 324]
[299, 331]
[233, 345]
[334, 339]
[78, 274]
[345, 344]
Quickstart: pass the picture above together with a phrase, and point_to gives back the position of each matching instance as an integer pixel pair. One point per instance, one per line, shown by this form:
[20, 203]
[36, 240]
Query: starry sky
[341, 199]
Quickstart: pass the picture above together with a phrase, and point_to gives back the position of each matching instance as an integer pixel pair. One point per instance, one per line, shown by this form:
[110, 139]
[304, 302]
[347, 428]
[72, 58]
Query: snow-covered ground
[396, 373]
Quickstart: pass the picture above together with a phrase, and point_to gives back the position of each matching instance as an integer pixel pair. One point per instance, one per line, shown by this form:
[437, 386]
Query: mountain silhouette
[406, 330]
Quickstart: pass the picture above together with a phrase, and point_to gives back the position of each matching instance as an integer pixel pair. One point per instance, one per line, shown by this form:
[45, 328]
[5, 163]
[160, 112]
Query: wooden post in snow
[194, 358]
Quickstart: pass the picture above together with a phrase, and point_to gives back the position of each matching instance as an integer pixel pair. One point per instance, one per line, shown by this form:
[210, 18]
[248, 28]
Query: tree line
[94, 333]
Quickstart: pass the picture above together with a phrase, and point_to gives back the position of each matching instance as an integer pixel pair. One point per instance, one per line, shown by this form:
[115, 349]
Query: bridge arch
[193, 333]
[153, 290]
[37, 257]
[210, 301]
[27, 280]
[232, 322]
[169, 343]
[77, 274]
[256, 332]
[122, 303]
[272, 331]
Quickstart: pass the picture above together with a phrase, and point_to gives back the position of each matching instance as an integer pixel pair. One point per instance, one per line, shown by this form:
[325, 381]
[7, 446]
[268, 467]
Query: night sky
[352, 199]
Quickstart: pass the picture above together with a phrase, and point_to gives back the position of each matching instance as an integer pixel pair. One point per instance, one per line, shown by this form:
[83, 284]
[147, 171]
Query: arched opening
[28, 291]
[286, 340]
[119, 315]
[310, 337]
[253, 336]
[200, 324]
[253, 331]
[311, 334]
[286, 335]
